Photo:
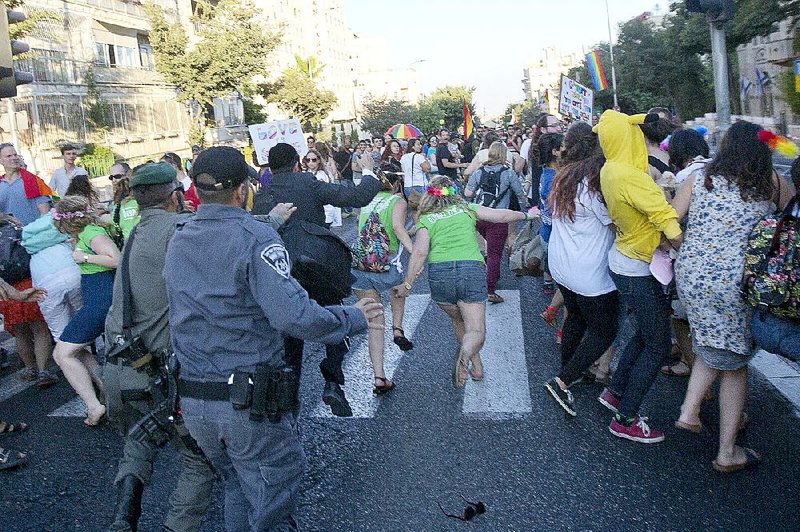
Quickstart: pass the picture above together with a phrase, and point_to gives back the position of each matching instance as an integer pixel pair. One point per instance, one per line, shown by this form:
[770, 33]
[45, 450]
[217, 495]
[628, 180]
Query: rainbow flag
[596, 70]
[468, 125]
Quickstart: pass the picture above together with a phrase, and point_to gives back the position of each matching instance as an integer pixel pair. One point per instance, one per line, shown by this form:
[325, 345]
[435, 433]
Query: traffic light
[718, 10]
[9, 78]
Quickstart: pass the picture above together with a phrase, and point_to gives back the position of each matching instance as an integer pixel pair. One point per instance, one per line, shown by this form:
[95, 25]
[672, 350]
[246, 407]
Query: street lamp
[611, 52]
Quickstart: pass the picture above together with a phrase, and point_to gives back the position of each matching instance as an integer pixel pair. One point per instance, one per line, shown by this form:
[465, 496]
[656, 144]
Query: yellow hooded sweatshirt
[635, 203]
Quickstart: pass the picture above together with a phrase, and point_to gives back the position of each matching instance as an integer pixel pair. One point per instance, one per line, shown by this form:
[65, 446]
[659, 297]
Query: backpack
[488, 193]
[371, 248]
[771, 281]
[527, 252]
[14, 260]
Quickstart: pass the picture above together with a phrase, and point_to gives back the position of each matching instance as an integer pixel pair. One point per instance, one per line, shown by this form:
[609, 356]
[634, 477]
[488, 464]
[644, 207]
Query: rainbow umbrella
[404, 131]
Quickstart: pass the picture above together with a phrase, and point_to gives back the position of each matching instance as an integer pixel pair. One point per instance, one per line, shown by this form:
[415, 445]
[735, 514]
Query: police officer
[134, 391]
[238, 397]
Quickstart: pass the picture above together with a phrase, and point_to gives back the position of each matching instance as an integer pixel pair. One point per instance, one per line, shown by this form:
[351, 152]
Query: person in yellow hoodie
[643, 218]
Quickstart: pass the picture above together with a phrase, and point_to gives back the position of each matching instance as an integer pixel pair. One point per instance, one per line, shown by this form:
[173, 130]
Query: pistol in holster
[267, 392]
[132, 352]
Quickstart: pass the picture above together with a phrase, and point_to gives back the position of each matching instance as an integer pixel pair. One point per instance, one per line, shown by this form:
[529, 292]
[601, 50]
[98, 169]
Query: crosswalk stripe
[358, 368]
[73, 408]
[504, 393]
[12, 384]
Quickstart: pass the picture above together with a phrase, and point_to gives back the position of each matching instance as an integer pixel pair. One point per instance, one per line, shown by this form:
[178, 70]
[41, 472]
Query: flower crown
[443, 192]
[777, 143]
[69, 215]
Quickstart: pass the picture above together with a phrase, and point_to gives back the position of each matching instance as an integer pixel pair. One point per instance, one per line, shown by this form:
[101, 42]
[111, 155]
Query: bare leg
[474, 316]
[558, 300]
[458, 322]
[42, 343]
[79, 376]
[732, 397]
[699, 382]
[24, 338]
[87, 358]
[375, 337]
[682, 335]
[398, 305]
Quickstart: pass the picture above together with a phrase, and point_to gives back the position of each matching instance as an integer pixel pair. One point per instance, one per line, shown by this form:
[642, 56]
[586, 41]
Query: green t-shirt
[452, 234]
[84, 239]
[128, 216]
[385, 201]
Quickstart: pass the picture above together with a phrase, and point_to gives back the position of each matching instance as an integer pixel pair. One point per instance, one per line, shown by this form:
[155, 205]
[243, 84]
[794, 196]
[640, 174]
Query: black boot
[129, 504]
[333, 396]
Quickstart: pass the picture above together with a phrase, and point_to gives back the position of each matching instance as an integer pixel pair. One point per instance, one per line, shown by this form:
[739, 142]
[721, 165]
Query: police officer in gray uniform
[239, 398]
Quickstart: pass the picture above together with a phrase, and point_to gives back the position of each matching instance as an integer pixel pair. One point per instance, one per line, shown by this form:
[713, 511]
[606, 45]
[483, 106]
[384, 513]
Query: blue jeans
[777, 335]
[261, 463]
[650, 346]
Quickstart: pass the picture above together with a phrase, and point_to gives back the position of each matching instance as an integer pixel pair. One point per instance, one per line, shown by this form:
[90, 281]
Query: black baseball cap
[219, 168]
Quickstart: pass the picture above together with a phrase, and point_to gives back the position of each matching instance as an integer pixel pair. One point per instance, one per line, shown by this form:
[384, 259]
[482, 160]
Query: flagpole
[611, 51]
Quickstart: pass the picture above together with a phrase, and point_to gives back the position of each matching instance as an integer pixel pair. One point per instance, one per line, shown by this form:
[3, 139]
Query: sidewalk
[782, 374]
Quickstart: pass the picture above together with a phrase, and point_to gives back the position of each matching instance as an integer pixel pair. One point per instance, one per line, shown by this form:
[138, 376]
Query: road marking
[504, 393]
[358, 368]
[12, 384]
[72, 408]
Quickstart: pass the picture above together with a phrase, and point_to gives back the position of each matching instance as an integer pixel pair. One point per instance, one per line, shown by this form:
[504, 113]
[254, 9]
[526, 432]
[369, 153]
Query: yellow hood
[622, 140]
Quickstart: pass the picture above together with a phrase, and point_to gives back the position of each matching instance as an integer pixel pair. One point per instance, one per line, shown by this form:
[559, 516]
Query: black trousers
[331, 365]
[590, 328]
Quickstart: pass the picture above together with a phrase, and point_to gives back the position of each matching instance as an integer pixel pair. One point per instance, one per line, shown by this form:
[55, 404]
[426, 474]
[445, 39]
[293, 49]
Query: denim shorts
[461, 280]
[380, 282]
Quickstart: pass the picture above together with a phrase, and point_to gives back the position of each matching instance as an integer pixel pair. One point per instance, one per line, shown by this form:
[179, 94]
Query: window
[116, 56]
[48, 66]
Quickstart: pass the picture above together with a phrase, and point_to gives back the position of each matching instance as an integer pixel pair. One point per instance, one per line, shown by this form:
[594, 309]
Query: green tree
[298, 95]
[379, 114]
[308, 66]
[232, 48]
[253, 112]
[450, 100]
[98, 110]
[429, 115]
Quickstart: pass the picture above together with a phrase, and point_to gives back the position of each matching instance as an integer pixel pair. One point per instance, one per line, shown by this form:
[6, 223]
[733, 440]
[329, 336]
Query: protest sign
[575, 100]
[265, 136]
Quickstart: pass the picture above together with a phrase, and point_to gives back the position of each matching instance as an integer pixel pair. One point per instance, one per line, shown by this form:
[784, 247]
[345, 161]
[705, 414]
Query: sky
[505, 35]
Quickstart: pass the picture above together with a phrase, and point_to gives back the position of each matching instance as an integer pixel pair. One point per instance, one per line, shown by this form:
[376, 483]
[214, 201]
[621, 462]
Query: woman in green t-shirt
[391, 210]
[125, 209]
[456, 271]
[97, 258]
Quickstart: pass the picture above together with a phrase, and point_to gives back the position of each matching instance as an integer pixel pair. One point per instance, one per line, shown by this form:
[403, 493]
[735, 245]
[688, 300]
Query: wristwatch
[407, 285]
[85, 258]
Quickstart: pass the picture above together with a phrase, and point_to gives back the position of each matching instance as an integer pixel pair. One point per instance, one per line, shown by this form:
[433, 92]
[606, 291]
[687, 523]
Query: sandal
[12, 428]
[402, 342]
[476, 370]
[751, 461]
[10, 459]
[695, 428]
[550, 316]
[495, 298]
[678, 369]
[386, 387]
[460, 373]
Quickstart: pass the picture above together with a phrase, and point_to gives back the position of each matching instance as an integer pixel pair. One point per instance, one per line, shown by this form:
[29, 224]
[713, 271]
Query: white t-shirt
[333, 215]
[413, 175]
[578, 251]
[523, 151]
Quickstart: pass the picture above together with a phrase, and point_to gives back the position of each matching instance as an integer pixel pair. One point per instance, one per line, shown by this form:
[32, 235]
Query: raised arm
[502, 216]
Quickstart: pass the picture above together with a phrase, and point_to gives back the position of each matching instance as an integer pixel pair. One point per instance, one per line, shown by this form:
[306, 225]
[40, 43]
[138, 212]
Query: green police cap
[153, 174]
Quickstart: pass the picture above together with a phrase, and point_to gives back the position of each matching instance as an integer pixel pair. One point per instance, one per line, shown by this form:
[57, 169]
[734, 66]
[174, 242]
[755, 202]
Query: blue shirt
[231, 304]
[545, 184]
[14, 202]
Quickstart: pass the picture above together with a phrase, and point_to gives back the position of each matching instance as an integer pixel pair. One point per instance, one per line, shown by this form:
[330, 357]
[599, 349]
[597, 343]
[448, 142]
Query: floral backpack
[771, 280]
[371, 248]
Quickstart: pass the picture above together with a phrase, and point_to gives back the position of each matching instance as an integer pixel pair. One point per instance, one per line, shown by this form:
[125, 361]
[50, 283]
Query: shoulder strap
[659, 165]
[124, 271]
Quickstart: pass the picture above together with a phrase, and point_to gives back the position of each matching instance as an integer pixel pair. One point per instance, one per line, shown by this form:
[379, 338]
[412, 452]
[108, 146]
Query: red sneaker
[609, 400]
[639, 431]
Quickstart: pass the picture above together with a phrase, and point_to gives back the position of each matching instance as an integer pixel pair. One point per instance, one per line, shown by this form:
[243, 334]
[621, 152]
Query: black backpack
[14, 260]
[488, 193]
[320, 261]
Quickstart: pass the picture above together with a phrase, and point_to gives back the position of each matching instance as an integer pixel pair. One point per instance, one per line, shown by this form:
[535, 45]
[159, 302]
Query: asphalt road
[502, 441]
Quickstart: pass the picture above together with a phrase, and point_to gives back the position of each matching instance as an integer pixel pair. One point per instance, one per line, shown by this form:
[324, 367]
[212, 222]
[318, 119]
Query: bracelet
[407, 285]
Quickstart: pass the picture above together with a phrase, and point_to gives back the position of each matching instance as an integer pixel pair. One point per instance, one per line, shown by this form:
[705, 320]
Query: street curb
[782, 374]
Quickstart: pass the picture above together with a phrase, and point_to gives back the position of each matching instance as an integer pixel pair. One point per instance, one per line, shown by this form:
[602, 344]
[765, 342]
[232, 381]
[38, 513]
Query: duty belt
[266, 392]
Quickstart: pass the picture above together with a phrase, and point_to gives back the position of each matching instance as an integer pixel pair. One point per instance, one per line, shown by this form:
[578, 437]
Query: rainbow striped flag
[468, 125]
[596, 70]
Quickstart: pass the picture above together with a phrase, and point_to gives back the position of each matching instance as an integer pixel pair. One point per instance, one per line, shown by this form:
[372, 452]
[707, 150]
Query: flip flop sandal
[10, 459]
[690, 427]
[384, 388]
[753, 459]
[671, 372]
[460, 381]
[402, 342]
[13, 428]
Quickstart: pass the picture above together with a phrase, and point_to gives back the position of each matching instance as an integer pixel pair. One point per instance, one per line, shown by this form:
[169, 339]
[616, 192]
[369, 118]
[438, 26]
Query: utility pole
[611, 52]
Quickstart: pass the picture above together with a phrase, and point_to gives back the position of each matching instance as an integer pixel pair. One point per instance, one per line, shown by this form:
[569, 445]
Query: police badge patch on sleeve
[276, 256]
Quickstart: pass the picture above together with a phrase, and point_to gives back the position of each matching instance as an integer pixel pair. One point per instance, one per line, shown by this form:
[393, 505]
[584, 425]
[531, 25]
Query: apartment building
[106, 40]
[543, 74]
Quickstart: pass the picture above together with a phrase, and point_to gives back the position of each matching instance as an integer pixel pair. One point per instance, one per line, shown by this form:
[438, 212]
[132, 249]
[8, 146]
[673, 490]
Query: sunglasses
[112, 177]
[473, 509]
[312, 160]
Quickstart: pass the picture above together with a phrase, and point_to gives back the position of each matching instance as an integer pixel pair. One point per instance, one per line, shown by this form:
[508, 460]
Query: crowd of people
[615, 204]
